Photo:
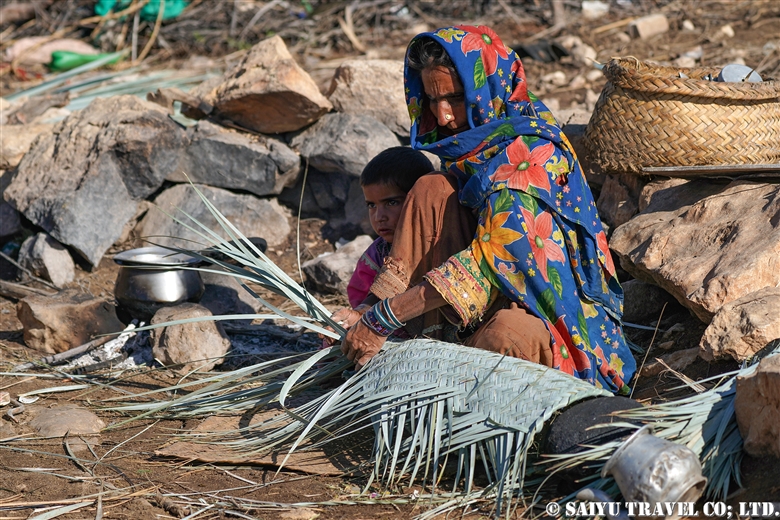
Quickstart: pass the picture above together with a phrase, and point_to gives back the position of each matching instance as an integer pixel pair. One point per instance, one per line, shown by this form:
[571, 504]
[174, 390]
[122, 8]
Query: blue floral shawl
[539, 238]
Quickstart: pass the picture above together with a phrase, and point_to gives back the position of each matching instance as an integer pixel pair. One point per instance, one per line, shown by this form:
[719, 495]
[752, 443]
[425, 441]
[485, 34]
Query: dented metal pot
[152, 277]
[653, 470]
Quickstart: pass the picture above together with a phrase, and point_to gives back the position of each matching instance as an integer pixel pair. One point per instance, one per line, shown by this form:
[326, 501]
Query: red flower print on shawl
[542, 246]
[566, 357]
[525, 167]
[483, 39]
[601, 240]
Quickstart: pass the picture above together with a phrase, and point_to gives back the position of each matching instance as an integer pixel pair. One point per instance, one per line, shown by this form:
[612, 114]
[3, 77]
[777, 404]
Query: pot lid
[153, 255]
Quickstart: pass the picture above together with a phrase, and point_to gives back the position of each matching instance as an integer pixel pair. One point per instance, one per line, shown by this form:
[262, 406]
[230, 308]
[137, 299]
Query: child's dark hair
[399, 166]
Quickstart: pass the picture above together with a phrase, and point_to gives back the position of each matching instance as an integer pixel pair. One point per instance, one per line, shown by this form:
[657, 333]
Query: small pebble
[727, 31]
[594, 75]
[687, 25]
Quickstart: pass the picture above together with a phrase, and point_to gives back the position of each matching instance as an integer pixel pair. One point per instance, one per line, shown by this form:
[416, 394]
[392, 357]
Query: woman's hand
[361, 344]
[345, 317]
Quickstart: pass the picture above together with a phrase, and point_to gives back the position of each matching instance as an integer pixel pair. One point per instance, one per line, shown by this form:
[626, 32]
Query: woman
[537, 279]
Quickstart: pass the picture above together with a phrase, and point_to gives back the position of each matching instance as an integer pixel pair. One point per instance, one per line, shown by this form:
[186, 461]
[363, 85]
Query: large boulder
[198, 345]
[228, 159]
[69, 319]
[81, 183]
[757, 408]
[16, 141]
[267, 92]
[619, 198]
[46, 258]
[743, 327]
[704, 243]
[343, 143]
[335, 197]
[254, 217]
[643, 302]
[373, 88]
[330, 273]
[10, 222]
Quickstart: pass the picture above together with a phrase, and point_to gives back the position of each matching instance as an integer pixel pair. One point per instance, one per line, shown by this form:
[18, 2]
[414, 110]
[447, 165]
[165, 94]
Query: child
[385, 180]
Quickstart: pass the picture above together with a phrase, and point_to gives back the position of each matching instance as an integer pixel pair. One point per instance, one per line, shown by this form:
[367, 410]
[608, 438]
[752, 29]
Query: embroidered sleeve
[463, 286]
[391, 280]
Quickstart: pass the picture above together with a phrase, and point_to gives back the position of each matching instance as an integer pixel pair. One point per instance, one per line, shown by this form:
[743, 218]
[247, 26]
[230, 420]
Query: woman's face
[446, 99]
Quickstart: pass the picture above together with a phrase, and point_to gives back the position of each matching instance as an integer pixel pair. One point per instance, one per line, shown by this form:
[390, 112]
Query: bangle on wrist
[370, 320]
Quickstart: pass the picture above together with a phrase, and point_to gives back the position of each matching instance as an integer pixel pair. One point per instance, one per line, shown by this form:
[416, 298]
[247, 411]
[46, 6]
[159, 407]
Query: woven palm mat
[336, 458]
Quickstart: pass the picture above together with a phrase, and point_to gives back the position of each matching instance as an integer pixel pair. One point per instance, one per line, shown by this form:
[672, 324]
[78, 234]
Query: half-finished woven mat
[648, 116]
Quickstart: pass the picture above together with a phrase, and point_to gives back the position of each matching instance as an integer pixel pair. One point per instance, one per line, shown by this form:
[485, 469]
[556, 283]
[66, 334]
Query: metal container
[653, 470]
[152, 277]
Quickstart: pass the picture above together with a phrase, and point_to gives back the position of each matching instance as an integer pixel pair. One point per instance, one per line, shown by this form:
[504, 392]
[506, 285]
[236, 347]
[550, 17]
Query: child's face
[384, 202]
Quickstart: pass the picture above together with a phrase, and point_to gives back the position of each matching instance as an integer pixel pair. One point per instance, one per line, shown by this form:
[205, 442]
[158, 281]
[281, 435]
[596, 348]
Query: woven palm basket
[648, 116]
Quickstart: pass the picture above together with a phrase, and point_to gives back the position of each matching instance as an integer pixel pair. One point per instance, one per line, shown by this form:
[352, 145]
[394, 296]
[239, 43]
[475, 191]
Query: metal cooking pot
[152, 277]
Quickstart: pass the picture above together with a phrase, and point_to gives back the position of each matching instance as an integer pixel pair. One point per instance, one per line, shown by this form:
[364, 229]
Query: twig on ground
[134, 37]
[260, 12]
[155, 31]
[19, 291]
[639, 370]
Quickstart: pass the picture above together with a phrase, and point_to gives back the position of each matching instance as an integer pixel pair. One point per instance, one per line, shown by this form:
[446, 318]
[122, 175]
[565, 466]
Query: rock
[643, 301]
[267, 91]
[224, 295]
[704, 243]
[14, 144]
[678, 361]
[579, 51]
[619, 198]
[757, 408]
[47, 259]
[228, 159]
[67, 419]
[573, 122]
[555, 79]
[254, 217]
[727, 31]
[330, 273]
[578, 82]
[591, 97]
[594, 9]
[743, 327]
[335, 197]
[584, 54]
[300, 513]
[648, 26]
[685, 62]
[594, 75]
[10, 222]
[554, 104]
[199, 345]
[372, 88]
[6, 107]
[343, 143]
[653, 187]
[687, 25]
[69, 319]
[95, 166]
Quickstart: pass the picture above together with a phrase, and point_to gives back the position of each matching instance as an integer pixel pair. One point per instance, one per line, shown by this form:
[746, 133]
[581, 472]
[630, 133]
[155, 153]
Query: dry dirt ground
[37, 473]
